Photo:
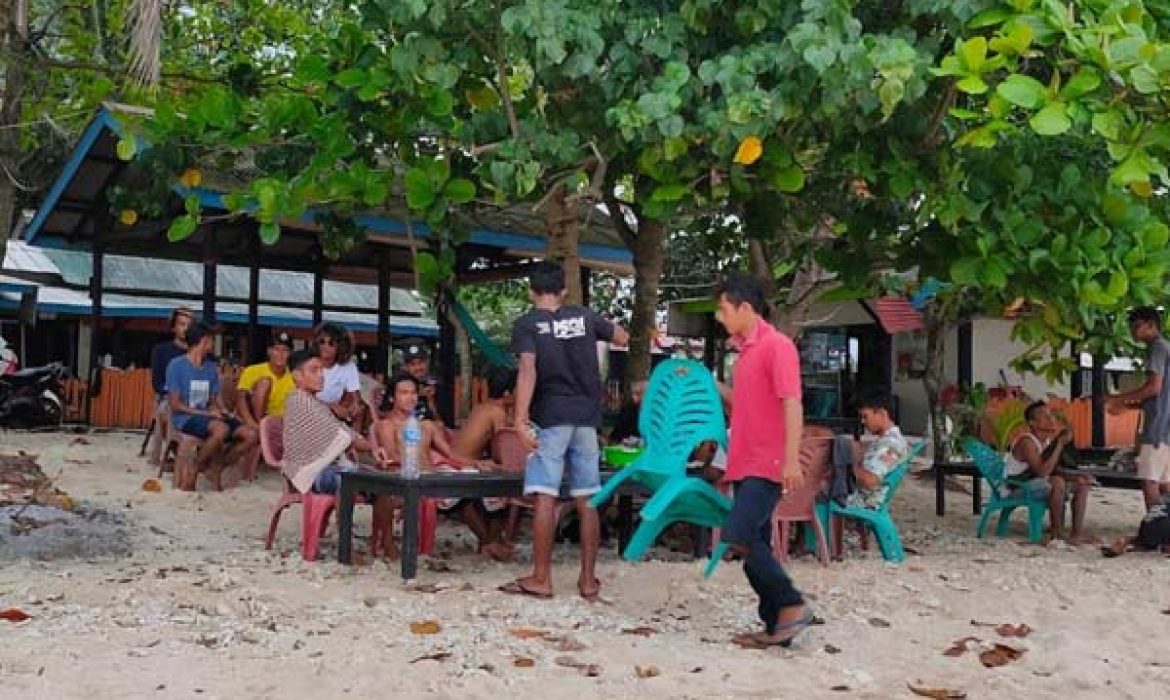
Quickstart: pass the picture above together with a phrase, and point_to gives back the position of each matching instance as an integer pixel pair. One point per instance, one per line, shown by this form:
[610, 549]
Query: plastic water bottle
[411, 440]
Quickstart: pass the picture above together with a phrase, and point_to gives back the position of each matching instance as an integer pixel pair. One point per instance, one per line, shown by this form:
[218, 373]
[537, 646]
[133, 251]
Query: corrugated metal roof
[150, 274]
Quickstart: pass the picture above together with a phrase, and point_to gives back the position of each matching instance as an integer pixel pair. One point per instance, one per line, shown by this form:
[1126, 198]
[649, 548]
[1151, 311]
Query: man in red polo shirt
[762, 461]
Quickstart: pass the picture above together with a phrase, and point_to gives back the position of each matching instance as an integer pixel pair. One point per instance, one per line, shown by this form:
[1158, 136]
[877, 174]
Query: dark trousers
[750, 525]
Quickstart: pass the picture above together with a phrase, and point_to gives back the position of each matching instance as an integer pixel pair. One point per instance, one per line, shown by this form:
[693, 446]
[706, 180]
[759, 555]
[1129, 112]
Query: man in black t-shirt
[559, 387]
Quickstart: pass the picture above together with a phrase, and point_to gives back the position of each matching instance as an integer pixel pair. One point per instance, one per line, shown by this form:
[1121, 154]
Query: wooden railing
[1120, 429]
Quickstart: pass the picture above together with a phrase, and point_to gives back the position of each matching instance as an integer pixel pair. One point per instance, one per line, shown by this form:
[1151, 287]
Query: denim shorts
[200, 426]
[1034, 489]
[546, 467]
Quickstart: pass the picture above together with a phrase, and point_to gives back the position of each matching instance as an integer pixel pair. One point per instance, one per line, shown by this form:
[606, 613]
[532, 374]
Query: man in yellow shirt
[264, 387]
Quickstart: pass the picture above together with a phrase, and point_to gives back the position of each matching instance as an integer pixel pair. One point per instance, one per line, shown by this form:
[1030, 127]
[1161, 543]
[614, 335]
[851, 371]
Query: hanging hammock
[491, 351]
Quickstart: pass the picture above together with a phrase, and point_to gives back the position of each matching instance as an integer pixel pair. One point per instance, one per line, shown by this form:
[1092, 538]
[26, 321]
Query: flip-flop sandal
[1110, 553]
[591, 597]
[797, 626]
[517, 588]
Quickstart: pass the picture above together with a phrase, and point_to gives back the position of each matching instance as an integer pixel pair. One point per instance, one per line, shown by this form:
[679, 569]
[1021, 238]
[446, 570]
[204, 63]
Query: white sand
[201, 610]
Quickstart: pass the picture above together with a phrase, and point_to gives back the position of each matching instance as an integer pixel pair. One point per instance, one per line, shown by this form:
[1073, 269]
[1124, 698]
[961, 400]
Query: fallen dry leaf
[1166, 611]
[647, 671]
[79, 441]
[425, 627]
[959, 646]
[830, 649]
[840, 689]
[437, 656]
[640, 631]
[567, 644]
[937, 693]
[523, 662]
[527, 633]
[427, 588]
[1008, 630]
[589, 670]
[1000, 655]
[878, 622]
[152, 485]
[14, 615]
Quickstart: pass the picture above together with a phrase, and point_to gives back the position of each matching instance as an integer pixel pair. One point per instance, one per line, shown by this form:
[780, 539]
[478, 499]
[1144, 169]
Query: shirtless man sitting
[403, 392]
[487, 418]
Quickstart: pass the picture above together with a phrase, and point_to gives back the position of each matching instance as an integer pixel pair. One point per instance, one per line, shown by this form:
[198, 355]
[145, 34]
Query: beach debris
[1010, 630]
[428, 588]
[648, 671]
[586, 669]
[878, 622]
[840, 688]
[435, 656]
[959, 646]
[566, 643]
[79, 441]
[641, 631]
[425, 627]
[152, 486]
[936, 693]
[14, 615]
[830, 649]
[1166, 611]
[999, 655]
[523, 661]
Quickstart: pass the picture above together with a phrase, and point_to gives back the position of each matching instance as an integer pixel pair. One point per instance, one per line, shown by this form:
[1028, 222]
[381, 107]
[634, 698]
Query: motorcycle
[31, 398]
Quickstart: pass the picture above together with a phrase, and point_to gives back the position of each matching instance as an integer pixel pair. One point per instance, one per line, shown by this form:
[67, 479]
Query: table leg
[625, 521]
[940, 504]
[977, 495]
[345, 498]
[410, 518]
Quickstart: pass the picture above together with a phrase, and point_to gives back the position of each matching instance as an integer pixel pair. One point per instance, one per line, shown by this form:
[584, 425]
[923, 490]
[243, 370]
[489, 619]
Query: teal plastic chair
[991, 468]
[879, 519]
[680, 409]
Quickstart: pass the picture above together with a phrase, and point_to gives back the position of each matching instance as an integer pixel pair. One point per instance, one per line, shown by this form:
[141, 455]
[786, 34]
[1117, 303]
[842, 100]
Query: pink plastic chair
[315, 507]
[799, 506]
[428, 508]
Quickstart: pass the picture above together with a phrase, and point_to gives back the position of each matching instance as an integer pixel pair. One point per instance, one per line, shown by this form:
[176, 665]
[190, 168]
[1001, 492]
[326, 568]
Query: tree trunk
[560, 215]
[13, 42]
[760, 267]
[649, 261]
[463, 348]
[934, 378]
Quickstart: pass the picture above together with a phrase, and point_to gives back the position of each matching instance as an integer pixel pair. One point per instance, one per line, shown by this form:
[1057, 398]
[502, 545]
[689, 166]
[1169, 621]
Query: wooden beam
[495, 274]
[382, 353]
[318, 295]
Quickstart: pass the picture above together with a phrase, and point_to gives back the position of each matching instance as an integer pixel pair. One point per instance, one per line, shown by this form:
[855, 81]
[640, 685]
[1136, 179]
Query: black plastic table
[446, 485]
[958, 468]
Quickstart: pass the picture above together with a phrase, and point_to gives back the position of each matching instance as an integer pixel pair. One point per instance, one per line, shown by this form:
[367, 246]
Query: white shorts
[1153, 463]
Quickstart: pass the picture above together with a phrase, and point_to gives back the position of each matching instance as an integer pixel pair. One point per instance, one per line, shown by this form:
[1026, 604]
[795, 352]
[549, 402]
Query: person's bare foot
[589, 590]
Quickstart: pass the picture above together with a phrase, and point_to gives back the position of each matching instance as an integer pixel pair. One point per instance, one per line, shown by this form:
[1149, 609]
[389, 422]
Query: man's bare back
[474, 439]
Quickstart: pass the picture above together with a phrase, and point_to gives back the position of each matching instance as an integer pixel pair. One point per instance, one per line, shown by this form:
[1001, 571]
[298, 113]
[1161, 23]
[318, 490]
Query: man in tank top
[1031, 468]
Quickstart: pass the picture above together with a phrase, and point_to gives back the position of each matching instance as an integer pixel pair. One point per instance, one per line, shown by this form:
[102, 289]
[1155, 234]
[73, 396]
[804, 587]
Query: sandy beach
[195, 607]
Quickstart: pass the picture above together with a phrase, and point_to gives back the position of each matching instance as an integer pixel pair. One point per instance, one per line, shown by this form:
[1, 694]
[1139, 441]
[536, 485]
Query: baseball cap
[416, 352]
[281, 338]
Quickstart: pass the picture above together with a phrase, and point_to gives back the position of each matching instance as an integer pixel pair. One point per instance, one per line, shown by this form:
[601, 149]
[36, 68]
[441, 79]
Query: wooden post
[382, 353]
[95, 296]
[447, 361]
[254, 342]
[1076, 382]
[1099, 400]
[586, 278]
[209, 276]
[318, 295]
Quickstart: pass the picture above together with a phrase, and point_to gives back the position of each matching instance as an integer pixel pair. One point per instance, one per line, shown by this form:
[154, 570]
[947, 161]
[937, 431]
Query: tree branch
[502, 73]
[44, 62]
[617, 214]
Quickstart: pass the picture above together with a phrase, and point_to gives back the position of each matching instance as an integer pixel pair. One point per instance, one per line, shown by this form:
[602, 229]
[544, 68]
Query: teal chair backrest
[680, 409]
[987, 461]
[894, 480]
